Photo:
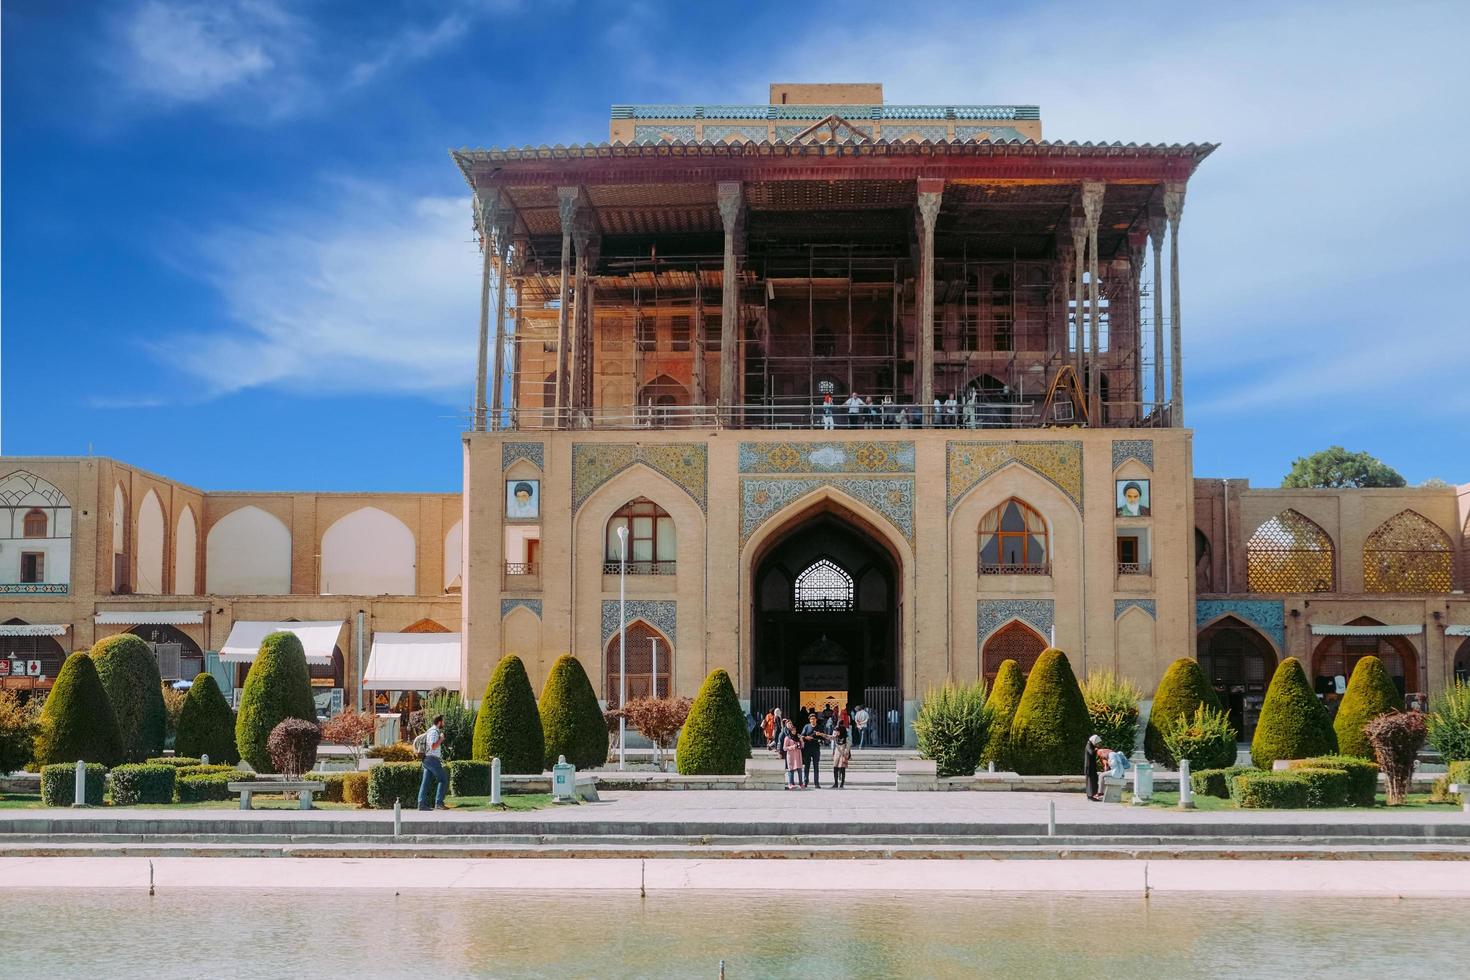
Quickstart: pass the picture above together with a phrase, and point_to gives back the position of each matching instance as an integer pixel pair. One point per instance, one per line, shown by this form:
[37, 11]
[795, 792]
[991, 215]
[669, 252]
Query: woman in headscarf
[1089, 766]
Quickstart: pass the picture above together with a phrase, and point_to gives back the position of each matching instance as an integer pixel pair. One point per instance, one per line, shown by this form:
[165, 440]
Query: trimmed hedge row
[142, 782]
[1216, 782]
[1456, 774]
[1263, 789]
[59, 783]
[206, 787]
[469, 777]
[1362, 776]
[333, 782]
[394, 781]
[177, 761]
[397, 752]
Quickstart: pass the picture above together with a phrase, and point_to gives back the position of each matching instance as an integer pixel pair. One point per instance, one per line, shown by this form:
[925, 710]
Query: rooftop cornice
[878, 111]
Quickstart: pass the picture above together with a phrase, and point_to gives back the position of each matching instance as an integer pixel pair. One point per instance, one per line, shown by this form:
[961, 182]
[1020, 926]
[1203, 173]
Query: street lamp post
[622, 643]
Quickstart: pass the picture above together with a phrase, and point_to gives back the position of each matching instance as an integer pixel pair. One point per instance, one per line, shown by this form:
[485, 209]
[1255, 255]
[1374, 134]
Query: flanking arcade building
[844, 397]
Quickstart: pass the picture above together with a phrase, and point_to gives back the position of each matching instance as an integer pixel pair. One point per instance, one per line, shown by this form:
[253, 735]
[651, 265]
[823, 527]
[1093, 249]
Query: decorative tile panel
[506, 605]
[35, 588]
[788, 132]
[686, 463]
[533, 452]
[967, 463]
[1120, 606]
[1267, 615]
[993, 133]
[661, 614]
[893, 497]
[826, 457]
[659, 134]
[718, 134]
[1139, 449]
[904, 131]
[992, 614]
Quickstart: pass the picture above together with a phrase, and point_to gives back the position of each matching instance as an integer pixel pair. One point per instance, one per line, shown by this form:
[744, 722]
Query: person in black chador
[1089, 766]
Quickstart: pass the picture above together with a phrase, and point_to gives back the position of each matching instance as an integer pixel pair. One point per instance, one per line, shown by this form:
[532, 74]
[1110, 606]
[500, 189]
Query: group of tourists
[799, 745]
[859, 412]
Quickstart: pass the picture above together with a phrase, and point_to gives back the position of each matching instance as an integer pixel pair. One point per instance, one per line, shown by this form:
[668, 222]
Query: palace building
[845, 397]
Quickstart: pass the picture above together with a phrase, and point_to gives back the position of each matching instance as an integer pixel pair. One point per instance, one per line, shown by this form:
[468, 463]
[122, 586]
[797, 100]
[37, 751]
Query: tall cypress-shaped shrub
[715, 741]
[1005, 697]
[278, 687]
[1369, 694]
[1051, 725]
[1293, 724]
[207, 724]
[1183, 688]
[508, 725]
[571, 721]
[77, 720]
[129, 674]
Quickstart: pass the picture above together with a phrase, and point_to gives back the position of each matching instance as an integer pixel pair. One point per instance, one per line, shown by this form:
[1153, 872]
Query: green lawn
[19, 801]
[518, 802]
[1169, 801]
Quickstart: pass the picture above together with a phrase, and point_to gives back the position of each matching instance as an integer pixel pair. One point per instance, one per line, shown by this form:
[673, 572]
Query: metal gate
[763, 699]
[885, 716]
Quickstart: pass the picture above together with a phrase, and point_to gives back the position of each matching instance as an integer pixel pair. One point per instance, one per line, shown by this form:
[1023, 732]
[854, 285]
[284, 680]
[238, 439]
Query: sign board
[33, 668]
[4, 668]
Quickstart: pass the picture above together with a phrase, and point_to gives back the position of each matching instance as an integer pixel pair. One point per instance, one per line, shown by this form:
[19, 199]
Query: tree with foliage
[1180, 693]
[173, 705]
[292, 745]
[1449, 723]
[1052, 725]
[1005, 697]
[715, 741]
[1335, 467]
[508, 726]
[77, 720]
[207, 724]
[17, 732]
[1293, 722]
[1369, 694]
[1206, 738]
[351, 729]
[1112, 704]
[128, 671]
[278, 687]
[458, 728]
[1396, 739]
[659, 721]
[951, 727]
[571, 718]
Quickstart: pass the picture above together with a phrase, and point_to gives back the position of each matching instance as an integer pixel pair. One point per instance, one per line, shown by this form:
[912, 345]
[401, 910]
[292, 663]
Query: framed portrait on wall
[1133, 499]
[522, 500]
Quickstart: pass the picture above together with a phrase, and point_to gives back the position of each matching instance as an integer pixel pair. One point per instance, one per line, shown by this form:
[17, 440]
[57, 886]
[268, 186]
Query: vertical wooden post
[1174, 210]
[568, 198]
[502, 248]
[931, 191]
[1079, 257]
[1156, 226]
[488, 215]
[1092, 198]
[731, 201]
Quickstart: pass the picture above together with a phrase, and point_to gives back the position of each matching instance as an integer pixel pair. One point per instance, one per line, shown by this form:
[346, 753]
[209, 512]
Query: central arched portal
[826, 619]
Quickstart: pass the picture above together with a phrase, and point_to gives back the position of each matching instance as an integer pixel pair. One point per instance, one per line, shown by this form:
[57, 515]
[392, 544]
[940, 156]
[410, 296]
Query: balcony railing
[1134, 568]
[522, 568]
[1010, 568]
[640, 567]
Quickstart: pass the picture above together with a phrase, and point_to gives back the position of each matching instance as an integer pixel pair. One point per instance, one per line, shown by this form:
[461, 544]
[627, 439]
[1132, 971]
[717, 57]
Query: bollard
[204, 758]
[80, 796]
[990, 766]
[563, 781]
[1051, 818]
[495, 781]
[397, 818]
[1186, 791]
[1143, 783]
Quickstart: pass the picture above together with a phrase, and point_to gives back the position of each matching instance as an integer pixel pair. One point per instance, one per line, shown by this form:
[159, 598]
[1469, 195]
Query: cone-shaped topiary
[714, 741]
[1051, 725]
[207, 724]
[1369, 694]
[77, 720]
[1293, 724]
[1005, 697]
[1183, 689]
[570, 718]
[129, 675]
[508, 726]
[278, 687]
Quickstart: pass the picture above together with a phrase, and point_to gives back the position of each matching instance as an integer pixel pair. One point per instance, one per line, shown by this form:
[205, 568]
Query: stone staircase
[876, 760]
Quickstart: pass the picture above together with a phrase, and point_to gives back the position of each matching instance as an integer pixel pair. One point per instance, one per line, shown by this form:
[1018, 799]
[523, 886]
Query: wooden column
[1137, 238]
[731, 200]
[568, 198]
[512, 259]
[489, 202]
[1092, 198]
[1174, 210]
[931, 192]
[581, 339]
[1079, 258]
[1156, 226]
[502, 248]
[697, 367]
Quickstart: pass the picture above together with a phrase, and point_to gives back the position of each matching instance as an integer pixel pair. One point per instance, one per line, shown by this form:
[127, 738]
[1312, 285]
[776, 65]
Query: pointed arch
[1016, 640]
[1290, 553]
[37, 517]
[1336, 656]
[454, 556]
[186, 553]
[151, 534]
[1408, 553]
[368, 552]
[426, 626]
[641, 635]
[1014, 540]
[652, 539]
[248, 552]
[1204, 563]
[1238, 660]
[823, 585]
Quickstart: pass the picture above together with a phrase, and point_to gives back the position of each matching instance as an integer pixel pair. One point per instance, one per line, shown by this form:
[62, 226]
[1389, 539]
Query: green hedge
[1216, 782]
[394, 781]
[142, 783]
[207, 723]
[469, 777]
[177, 761]
[1456, 774]
[1362, 776]
[397, 752]
[1293, 723]
[1325, 787]
[77, 720]
[1205, 738]
[1369, 694]
[508, 725]
[951, 727]
[333, 782]
[571, 718]
[59, 782]
[714, 740]
[1005, 697]
[1266, 790]
[206, 787]
[355, 788]
[278, 687]
[1052, 725]
[1183, 688]
[128, 671]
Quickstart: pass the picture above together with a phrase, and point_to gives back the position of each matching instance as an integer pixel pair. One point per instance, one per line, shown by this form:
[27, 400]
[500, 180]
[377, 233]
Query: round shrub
[142, 783]
[1206, 739]
[1183, 688]
[1216, 782]
[278, 687]
[77, 721]
[394, 781]
[397, 752]
[951, 727]
[1369, 694]
[1266, 790]
[129, 674]
[1293, 723]
[1396, 739]
[1362, 775]
[207, 723]
[292, 745]
[1051, 726]
[714, 741]
[1005, 697]
[571, 718]
[59, 782]
[207, 787]
[469, 777]
[177, 761]
[508, 725]
[1449, 723]
[1112, 706]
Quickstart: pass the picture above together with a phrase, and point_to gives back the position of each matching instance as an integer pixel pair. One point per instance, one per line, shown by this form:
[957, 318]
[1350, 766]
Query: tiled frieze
[827, 457]
[1120, 606]
[1267, 615]
[506, 605]
[1139, 449]
[992, 614]
[893, 497]
[532, 452]
[967, 463]
[685, 463]
[661, 614]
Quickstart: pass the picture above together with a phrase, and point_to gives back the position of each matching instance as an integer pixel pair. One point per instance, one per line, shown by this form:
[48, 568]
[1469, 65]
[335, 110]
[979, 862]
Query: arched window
[1289, 553]
[641, 638]
[1013, 641]
[1336, 656]
[1239, 662]
[1407, 553]
[652, 543]
[824, 586]
[1014, 541]
[35, 523]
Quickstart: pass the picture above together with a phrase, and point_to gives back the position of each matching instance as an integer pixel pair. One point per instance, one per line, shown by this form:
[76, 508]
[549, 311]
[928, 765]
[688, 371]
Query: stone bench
[585, 785]
[1112, 787]
[1463, 789]
[915, 775]
[304, 789]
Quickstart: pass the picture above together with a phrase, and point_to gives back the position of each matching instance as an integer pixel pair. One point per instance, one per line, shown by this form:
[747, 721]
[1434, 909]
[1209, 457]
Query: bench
[305, 789]
[1112, 787]
[1463, 789]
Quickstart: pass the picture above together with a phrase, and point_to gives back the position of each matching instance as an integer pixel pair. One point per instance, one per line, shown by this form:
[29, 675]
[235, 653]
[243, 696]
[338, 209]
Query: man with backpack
[430, 746]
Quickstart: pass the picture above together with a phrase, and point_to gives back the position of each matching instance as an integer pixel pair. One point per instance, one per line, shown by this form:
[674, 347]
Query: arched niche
[368, 552]
[186, 548]
[248, 552]
[151, 533]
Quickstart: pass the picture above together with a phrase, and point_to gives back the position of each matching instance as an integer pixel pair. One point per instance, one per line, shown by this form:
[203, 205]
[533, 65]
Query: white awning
[413, 662]
[1457, 630]
[1328, 629]
[149, 617]
[34, 629]
[318, 638]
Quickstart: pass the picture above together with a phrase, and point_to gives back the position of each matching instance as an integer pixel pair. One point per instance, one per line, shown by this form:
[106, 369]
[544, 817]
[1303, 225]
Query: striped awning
[1461, 629]
[34, 629]
[1328, 629]
[149, 617]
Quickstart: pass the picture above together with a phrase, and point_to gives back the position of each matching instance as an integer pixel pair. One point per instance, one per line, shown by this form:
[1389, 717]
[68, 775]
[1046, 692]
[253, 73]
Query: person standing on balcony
[826, 411]
[854, 405]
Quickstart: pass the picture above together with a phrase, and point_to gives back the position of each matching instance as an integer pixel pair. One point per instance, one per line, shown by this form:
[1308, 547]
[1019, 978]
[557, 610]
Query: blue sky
[235, 250]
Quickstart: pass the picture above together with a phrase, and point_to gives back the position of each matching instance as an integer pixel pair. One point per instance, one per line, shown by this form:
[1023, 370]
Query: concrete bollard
[1143, 783]
[79, 797]
[397, 818]
[1186, 791]
[204, 758]
[495, 781]
[990, 766]
[1051, 818]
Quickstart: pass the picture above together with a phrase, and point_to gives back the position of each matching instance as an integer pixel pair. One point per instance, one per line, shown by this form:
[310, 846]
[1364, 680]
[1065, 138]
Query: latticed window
[1289, 553]
[35, 524]
[1014, 540]
[824, 586]
[1407, 553]
[652, 545]
[1014, 641]
[641, 638]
